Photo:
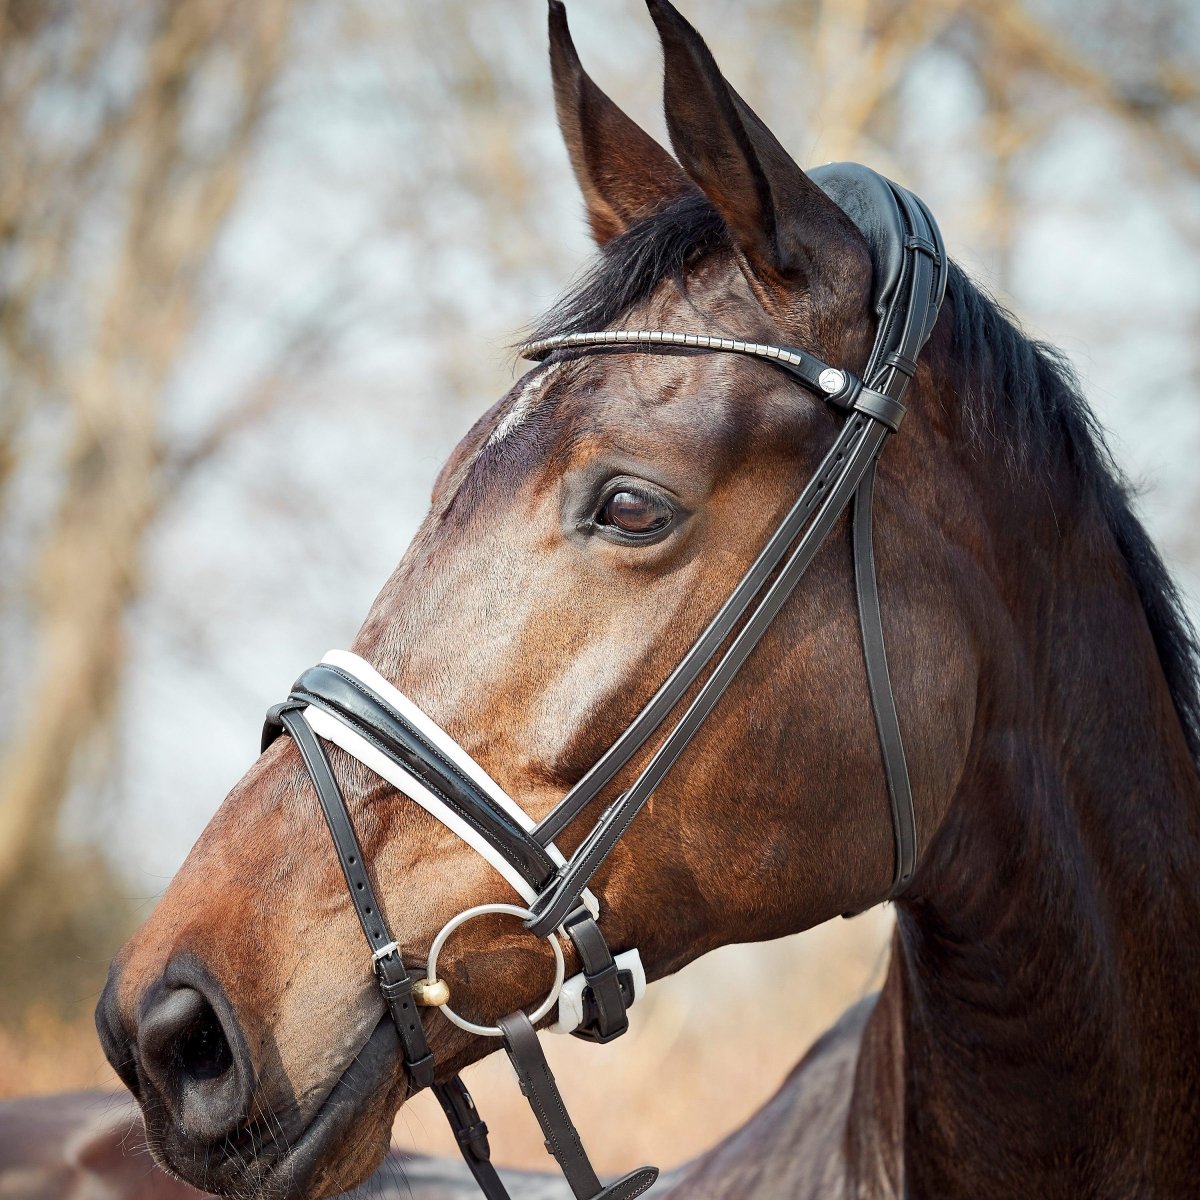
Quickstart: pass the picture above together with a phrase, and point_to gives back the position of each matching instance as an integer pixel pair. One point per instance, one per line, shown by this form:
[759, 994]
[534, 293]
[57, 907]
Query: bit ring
[511, 910]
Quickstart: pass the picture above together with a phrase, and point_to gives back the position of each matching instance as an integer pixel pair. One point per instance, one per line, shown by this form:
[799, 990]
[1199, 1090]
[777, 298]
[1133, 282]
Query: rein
[345, 701]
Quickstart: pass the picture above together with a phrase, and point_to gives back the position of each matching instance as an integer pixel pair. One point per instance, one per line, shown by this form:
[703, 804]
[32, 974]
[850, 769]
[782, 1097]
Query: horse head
[579, 540]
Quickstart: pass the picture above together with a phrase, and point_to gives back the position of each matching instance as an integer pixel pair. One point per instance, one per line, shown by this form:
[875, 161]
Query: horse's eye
[635, 513]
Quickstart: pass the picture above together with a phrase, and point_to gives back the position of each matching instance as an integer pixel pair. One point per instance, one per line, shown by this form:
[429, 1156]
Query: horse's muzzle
[185, 1059]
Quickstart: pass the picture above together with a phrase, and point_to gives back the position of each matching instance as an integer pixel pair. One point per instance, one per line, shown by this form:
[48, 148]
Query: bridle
[343, 700]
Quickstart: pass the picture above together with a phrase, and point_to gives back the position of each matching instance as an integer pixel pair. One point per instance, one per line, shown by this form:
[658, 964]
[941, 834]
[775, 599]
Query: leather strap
[900, 339]
[395, 983]
[471, 1134]
[883, 702]
[606, 996]
[554, 903]
[562, 1138]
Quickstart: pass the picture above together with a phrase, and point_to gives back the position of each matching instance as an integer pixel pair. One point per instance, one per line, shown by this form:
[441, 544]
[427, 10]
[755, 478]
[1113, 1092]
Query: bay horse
[1038, 1032]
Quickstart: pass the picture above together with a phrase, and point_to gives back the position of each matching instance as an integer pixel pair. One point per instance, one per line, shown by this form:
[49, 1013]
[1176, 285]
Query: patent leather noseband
[343, 700]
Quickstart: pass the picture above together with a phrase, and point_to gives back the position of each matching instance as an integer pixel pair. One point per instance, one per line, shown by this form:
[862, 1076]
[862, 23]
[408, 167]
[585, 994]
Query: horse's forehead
[715, 300]
[606, 389]
[527, 399]
[635, 398]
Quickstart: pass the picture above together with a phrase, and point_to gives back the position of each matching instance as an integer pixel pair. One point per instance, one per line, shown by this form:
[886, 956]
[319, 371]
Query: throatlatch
[344, 700]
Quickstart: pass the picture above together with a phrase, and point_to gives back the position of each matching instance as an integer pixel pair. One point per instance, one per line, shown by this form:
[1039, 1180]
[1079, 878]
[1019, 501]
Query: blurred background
[260, 265]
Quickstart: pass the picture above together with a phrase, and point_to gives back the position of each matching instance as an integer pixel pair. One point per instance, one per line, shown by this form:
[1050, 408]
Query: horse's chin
[351, 1132]
[341, 1146]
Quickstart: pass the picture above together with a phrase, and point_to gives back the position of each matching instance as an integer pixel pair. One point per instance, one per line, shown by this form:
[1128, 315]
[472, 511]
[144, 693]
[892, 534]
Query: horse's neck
[1042, 1001]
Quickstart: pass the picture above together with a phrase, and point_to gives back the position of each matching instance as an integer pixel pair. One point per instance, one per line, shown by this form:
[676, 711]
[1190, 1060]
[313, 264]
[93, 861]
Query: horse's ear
[623, 173]
[788, 231]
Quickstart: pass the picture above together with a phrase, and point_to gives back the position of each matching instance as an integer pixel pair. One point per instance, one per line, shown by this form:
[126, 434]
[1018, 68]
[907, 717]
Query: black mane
[1018, 395]
[1023, 396]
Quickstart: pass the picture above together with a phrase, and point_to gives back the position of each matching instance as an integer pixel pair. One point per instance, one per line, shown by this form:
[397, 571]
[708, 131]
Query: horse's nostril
[191, 1052]
[203, 1049]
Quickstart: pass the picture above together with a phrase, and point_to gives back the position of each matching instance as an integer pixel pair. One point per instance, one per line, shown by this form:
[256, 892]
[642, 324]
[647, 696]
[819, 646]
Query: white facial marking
[525, 403]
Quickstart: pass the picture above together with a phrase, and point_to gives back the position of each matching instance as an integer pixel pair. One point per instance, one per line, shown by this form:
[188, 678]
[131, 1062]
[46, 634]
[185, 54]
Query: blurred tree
[118, 178]
[168, 171]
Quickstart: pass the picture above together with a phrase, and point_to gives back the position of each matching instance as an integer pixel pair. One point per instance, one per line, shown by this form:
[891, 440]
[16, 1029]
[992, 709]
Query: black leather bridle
[381, 728]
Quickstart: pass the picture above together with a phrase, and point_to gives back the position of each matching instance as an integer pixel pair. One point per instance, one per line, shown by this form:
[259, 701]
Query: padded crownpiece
[908, 261]
[867, 198]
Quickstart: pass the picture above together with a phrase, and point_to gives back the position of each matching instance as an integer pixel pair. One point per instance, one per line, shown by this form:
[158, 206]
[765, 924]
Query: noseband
[343, 700]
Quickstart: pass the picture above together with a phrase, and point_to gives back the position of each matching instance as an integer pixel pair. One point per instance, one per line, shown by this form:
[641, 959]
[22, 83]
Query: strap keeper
[394, 991]
[394, 981]
[606, 974]
[880, 407]
[923, 245]
[420, 1071]
[473, 1138]
[595, 1028]
[901, 362]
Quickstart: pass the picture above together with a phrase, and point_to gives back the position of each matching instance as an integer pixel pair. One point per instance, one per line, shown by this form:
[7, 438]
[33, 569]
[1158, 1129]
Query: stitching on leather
[452, 769]
[564, 1116]
[643, 1180]
[450, 803]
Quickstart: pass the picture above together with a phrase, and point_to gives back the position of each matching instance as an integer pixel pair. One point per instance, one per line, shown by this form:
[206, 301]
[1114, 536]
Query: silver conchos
[831, 380]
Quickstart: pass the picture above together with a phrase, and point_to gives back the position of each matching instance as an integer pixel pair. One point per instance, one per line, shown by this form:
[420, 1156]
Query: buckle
[384, 952]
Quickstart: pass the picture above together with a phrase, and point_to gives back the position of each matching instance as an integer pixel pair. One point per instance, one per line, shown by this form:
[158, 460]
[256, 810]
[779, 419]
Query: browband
[840, 388]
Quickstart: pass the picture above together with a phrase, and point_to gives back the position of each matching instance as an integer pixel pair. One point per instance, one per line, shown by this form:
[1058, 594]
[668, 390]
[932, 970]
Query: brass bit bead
[431, 993]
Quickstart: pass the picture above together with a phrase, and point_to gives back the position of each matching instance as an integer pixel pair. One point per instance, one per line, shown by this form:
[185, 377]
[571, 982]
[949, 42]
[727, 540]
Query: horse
[1037, 1032]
